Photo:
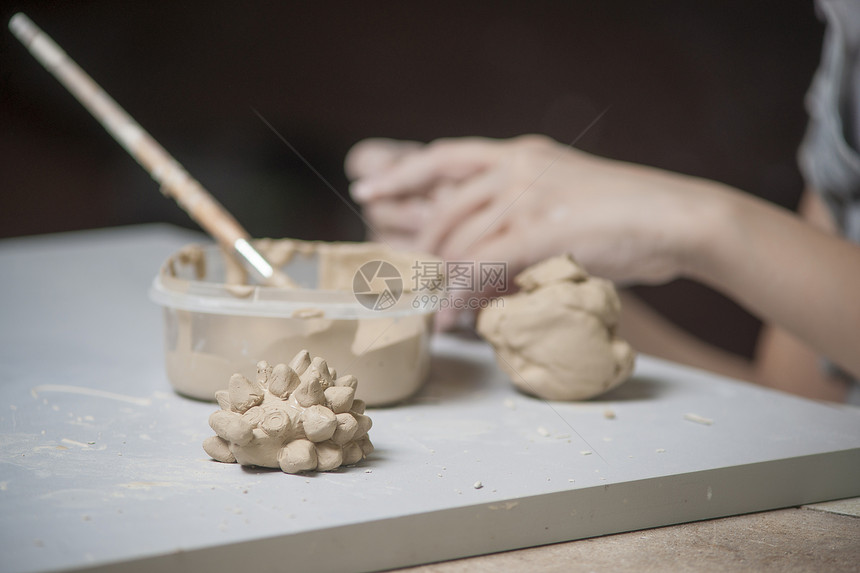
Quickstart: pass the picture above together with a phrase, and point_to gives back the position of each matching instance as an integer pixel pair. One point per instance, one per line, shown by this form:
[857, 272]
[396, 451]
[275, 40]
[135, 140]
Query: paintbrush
[174, 180]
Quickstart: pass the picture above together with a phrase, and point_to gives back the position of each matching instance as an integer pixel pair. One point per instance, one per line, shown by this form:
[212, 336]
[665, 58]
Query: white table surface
[101, 464]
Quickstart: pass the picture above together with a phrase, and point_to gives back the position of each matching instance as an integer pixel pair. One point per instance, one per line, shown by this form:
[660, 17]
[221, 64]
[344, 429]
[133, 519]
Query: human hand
[384, 218]
[526, 199]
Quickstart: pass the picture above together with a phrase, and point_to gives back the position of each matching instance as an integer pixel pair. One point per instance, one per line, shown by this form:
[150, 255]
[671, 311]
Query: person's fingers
[449, 318]
[455, 204]
[403, 214]
[370, 156]
[453, 159]
[500, 257]
[399, 241]
[520, 250]
[484, 224]
[445, 320]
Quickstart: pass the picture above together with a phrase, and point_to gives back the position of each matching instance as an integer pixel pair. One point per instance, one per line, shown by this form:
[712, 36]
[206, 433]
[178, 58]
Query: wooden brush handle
[173, 179]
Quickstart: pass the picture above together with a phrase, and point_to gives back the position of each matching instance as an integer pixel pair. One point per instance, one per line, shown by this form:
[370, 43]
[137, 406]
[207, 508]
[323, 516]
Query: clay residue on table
[557, 337]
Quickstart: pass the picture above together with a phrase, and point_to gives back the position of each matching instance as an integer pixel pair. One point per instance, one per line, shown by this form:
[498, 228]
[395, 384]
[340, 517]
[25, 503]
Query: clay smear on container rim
[216, 324]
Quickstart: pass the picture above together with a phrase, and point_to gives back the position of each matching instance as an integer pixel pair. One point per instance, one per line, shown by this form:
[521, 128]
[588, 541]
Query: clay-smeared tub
[215, 326]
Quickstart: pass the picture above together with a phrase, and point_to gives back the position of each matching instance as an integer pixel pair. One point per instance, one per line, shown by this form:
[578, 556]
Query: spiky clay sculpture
[297, 417]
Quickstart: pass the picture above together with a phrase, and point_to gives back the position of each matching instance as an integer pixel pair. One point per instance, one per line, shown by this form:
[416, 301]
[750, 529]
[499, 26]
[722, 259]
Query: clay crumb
[508, 505]
[609, 414]
[368, 471]
[543, 431]
[308, 313]
[586, 452]
[74, 443]
[698, 419]
[477, 485]
[240, 291]
[660, 451]
[571, 480]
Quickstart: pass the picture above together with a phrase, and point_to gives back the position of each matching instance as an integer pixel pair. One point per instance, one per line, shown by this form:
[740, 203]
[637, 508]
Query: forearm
[781, 269]
[651, 333]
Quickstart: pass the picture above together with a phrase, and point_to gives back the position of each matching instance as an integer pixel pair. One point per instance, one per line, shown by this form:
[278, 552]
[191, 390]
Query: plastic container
[213, 329]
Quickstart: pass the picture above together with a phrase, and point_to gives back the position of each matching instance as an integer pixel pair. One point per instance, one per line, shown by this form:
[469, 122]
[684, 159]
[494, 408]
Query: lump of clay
[556, 337]
[297, 417]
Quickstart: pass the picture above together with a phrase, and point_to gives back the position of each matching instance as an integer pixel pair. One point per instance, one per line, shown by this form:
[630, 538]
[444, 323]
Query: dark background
[711, 88]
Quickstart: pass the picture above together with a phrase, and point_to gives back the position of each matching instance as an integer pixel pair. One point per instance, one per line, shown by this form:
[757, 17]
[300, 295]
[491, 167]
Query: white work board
[101, 464]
